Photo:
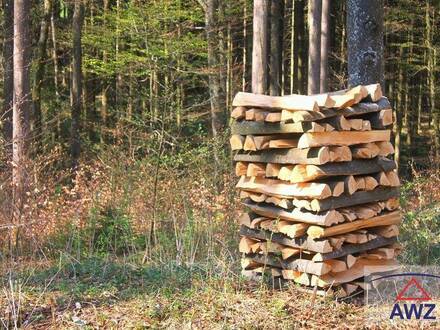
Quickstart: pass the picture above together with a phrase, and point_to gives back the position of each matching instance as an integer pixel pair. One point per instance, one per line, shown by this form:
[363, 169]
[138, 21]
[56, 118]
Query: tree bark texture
[325, 40]
[314, 22]
[260, 47]
[8, 63]
[78, 15]
[276, 46]
[365, 42]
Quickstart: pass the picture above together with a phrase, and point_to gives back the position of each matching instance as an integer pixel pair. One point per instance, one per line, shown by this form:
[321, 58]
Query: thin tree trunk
[399, 109]
[365, 42]
[21, 110]
[39, 73]
[314, 23]
[78, 15]
[325, 40]
[276, 46]
[8, 64]
[260, 47]
[245, 36]
[54, 54]
[298, 48]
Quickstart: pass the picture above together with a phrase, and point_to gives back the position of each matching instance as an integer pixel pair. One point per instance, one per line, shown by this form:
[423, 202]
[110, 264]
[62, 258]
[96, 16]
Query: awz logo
[405, 310]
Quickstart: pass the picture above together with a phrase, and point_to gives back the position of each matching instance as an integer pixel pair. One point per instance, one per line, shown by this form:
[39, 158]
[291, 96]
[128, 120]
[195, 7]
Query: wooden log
[313, 156]
[338, 122]
[349, 249]
[300, 116]
[283, 143]
[290, 102]
[264, 128]
[355, 124]
[245, 244]
[374, 92]
[236, 142]
[283, 189]
[290, 274]
[307, 266]
[305, 173]
[285, 172]
[365, 150]
[241, 168]
[393, 178]
[256, 169]
[367, 107]
[386, 148]
[366, 125]
[292, 229]
[387, 231]
[256, 114]
[381, 220]
[249, 143]
[381, 119]
[272, 170]
[281, 202]
[336, 265]
[309, 140]
[359, 197]
[324, 218]
[238, 113]
[273, 117]
[288, 252]
[340, 154]
[304, 243]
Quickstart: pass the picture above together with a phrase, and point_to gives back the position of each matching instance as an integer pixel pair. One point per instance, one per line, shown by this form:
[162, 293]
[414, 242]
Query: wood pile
[320, 187]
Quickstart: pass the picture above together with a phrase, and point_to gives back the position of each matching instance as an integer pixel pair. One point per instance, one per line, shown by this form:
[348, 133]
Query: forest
[118, 206]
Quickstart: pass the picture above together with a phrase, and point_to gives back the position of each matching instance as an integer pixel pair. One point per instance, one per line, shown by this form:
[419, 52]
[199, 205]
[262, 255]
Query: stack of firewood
[320, 186]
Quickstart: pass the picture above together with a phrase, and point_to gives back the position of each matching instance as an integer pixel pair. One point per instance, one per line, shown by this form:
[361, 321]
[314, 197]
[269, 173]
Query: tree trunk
[325, 40]
[276, 46]
[8, 63]
[314, 23]
[399, 109]
[21, 109]
[260, 47]
[365, 42]
[298, 30]
[76, 86]
[39, 72]
[54, 54]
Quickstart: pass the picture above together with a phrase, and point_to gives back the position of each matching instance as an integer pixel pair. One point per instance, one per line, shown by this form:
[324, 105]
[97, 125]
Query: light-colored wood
[386, 148]
[262, 141]
[241, 168]
[366, 125]
[273, 117]
[355, 124]
[255, 223]
[287, 252]
[387, 231]
[370, 183]
[374, 92]
[340, 154]
[290, 102]
[272, 170]
[249, 143]
[256, 114]
[245, 220]
[281, 202]
[382, 179]
[350, 260]
[238, 113]
[381, 220]
[290, 274]
[360, 182]
[393, 178]
[283, 143]
[292, 229]
[365, 150]
[362, 267]
[245, 244]
[386, 117]
[306, 116]
[309, 267]
[350, 185]
[248, 263]
[285, 172]
[324, 218]
[236, 142]
[336, 265]
[308, 140]
[280, 188]
[392, 204]
[256, 169]
[248, 127]
[270, 225]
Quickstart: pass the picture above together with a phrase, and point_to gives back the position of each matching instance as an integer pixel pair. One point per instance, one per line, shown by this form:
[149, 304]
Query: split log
[340, 154]
[273, 117]
[260, 128]
[256, 114]
[338, 122]
[283, 143]
[323, 218]
[367, 107]
[386, 148]
[237, 142]
[365, 150]
[272, 170]
[300, 116]
[374, 92]
[308, 140]
[313, 156]
[290, 102]
[292, 229]
[241, 168]
[238, 113]
[381, 220]
[256, 169]
[304, 173]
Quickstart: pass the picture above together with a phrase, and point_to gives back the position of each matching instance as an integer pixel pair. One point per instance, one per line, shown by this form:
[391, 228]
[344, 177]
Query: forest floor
[98, 293]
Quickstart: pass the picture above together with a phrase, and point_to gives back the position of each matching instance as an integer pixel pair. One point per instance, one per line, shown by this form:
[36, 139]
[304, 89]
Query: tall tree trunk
[39, 72]
[260, 47]
[8, 63]
[298, 31]
[314, 23]
[104, 85]
[54, 54]
[399, 109]
[78, 16]
[245, 36]
[276, 46]
[365, 42]
[21, 110]
[325, 40]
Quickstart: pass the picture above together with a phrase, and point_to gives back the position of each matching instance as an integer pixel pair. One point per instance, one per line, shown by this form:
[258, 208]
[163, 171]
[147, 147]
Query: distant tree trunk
[21, 110]
[298, 31]
[276, 46]
[365, 42]
[104, 85]
[260, 47]
[8, 64]
[325, 39]
[54, 54]
[78, 15]
[314, 23]
[399, 109]
[39, 72]
[245, 36]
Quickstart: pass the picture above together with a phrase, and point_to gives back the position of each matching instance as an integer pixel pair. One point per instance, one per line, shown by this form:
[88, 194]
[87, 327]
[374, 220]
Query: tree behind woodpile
[314, 23]
[260, 47]
[8, 63]
[325, 39]
[276, 46]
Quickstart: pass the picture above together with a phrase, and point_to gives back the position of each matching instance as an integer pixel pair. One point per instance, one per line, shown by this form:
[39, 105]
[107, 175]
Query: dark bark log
[325, 41]
[39, 73]
[8, 63]
[314, 23]
[276, 46]
[260, 47]
[255, 128]
[76, 87]
[365, 42]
